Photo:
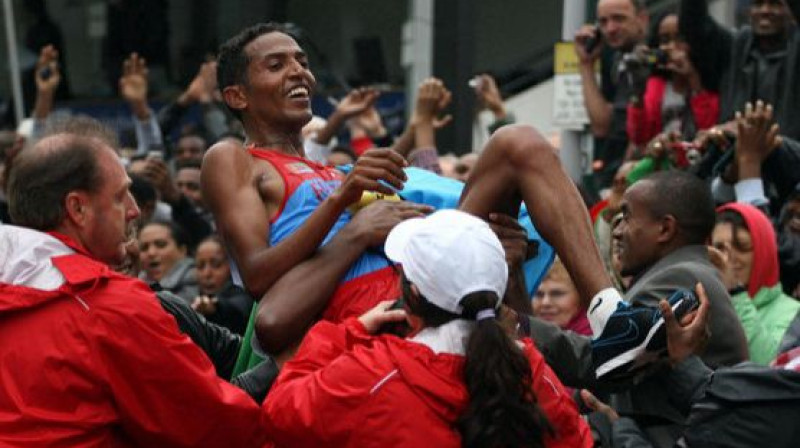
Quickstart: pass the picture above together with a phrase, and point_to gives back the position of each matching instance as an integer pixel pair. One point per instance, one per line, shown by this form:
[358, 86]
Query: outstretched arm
[711, 42]
[133, 87]
[48, 77]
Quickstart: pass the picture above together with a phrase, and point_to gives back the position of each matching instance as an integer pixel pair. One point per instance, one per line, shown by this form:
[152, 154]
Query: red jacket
[89, 358]
[345, 388]
[644, 122]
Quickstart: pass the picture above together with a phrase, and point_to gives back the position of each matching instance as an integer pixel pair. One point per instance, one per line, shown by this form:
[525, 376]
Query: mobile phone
[157, 155]
[45, 73]
[591, 43]
[399, 329]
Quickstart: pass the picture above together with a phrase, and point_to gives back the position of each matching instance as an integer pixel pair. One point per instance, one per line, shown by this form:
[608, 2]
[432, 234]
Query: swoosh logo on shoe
[599, 302]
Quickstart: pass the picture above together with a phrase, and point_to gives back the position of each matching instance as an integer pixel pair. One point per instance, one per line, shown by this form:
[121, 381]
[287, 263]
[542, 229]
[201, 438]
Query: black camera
[652, 58]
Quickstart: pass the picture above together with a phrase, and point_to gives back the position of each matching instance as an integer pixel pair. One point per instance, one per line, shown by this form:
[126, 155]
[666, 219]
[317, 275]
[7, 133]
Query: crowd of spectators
[231, 228]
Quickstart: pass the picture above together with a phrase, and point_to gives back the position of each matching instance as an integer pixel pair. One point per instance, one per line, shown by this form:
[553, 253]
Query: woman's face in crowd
[212, 267]
[158, 251]
[556, 301]
[670, 39]
[738, 246]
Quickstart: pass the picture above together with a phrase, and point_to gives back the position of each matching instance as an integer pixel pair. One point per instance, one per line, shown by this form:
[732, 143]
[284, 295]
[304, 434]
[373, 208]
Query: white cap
[449, 255]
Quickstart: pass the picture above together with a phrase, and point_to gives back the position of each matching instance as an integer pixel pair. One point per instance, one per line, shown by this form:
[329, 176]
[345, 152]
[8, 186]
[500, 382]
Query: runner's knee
[523, 145]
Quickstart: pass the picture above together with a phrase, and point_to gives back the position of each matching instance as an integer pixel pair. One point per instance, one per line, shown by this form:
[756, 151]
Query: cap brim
[398, 238]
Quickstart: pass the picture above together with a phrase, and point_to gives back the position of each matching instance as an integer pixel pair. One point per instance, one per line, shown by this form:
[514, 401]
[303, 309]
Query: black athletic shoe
[634, 336]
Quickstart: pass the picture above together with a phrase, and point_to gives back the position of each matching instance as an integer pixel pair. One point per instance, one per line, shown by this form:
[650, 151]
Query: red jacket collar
[70, 242]
[80, 267]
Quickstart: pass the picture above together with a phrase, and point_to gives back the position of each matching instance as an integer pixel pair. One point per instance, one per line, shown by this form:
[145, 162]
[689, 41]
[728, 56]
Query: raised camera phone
[591, 43]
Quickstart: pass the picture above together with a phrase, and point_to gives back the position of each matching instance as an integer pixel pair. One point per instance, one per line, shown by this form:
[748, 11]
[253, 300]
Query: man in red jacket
[90, 357]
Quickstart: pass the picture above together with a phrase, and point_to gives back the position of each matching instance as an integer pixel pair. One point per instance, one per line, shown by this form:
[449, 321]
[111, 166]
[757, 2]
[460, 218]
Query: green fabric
[247, 358]
[765, 319]
[647, 166]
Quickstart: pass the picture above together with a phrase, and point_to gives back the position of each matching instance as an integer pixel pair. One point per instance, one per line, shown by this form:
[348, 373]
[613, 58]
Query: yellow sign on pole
[566, 61]
[569, 111]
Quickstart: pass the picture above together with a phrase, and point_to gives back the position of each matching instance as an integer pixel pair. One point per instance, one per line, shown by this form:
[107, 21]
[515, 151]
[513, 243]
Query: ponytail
[502, 409]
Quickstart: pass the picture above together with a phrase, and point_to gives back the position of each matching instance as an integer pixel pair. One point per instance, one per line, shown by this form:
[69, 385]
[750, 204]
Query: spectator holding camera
[673, 99]
[621, 26]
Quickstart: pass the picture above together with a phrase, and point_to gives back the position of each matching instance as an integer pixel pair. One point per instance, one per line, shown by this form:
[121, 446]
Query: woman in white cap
[457, 379]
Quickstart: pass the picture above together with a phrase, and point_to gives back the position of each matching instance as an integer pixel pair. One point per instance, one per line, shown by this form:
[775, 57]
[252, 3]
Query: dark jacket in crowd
[730, 62]
[221, 346]
[743, 406]
[233, 308]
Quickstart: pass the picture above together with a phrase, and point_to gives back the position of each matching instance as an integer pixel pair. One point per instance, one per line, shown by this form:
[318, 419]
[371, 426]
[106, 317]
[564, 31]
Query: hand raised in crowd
[717, 135]
[48, 74]
[660, 146]
[47, 77]
[368, 122]
[133, 85]
[489, 96]
[202, 87]
[379, 315]
[689, 336]
[586, 34]
[432, 98]
[357, 101]
[720, 258]
[512, 236]
[157, 173]
[374, 166]
[757, 138]
[374, 222]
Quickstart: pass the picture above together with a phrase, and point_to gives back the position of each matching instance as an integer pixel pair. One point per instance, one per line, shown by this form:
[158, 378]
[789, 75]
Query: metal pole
[417, 48]
[572, 155]
[13, 59]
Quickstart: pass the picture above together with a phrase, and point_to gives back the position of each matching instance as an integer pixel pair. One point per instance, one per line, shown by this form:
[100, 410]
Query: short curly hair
[232, 60]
